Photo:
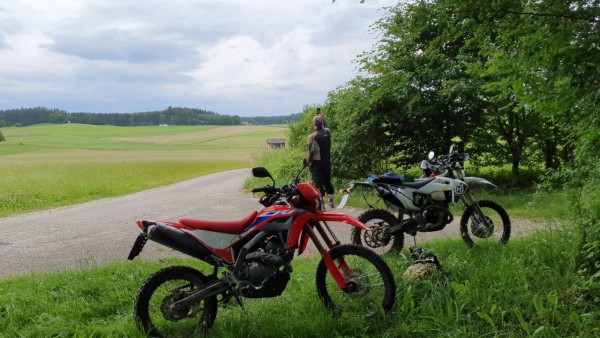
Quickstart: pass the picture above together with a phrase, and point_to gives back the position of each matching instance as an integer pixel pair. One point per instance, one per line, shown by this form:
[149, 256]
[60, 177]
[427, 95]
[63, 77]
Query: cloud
[260, 57]
[116, 45]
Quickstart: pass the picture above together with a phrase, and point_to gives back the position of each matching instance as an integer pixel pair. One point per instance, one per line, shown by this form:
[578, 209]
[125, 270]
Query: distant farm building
[276, 143]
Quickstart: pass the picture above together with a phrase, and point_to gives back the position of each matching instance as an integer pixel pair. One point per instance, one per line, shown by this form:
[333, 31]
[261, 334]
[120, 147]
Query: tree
[2, 138]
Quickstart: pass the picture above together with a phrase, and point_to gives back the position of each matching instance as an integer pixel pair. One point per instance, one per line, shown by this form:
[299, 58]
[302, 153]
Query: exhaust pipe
[178, 240]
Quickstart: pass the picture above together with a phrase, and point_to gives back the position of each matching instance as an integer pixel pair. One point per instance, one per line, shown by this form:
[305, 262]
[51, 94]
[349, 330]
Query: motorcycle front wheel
[154, 310]
[371, 288]
[377, 239]
[496, 226]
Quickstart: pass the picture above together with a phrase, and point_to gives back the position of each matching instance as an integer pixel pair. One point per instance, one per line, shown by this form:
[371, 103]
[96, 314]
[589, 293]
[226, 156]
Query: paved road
[103, 231]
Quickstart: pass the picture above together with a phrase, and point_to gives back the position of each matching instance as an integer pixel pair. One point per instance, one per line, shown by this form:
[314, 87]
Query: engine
[433, 217]
[265, 272]
[434, 214]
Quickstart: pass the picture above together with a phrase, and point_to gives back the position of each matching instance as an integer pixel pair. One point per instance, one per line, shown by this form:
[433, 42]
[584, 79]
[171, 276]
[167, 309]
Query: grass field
[45, 166]
[528, 288]
[524, 289]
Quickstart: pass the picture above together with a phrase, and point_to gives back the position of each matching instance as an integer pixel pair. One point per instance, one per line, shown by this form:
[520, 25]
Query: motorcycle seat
[415, 185]
[230, 227]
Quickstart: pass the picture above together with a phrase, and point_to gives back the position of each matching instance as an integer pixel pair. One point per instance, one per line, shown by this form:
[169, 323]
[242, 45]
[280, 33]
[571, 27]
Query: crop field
[45, 166]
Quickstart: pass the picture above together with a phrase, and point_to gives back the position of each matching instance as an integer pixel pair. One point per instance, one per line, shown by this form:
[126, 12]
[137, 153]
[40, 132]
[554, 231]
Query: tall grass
[524, 289]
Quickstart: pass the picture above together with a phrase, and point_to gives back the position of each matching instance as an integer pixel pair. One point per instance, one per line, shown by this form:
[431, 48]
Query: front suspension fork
[468, 200]
[324, 249]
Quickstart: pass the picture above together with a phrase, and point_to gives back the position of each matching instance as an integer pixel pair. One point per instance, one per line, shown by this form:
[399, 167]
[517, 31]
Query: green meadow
[52, 165]
[528, 288]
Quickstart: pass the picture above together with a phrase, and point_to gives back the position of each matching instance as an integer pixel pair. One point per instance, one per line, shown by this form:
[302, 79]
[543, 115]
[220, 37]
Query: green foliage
[299, 130]
[2, 138]
[587, 176]
[504, 76]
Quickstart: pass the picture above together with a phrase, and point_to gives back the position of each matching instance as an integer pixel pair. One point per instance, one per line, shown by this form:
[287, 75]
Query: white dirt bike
[424, 206]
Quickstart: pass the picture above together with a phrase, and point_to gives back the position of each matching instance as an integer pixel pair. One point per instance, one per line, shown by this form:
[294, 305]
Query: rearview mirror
[261, 172]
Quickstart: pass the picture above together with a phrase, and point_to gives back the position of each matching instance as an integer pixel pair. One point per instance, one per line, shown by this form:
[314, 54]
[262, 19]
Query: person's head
[319, 112]
[317, 122]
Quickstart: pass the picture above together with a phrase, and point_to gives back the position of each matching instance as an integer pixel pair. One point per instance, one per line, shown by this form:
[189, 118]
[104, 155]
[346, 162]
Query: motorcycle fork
[330, 242]
[468, 200]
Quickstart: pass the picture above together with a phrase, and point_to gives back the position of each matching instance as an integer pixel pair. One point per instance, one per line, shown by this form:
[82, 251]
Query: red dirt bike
[255, 253]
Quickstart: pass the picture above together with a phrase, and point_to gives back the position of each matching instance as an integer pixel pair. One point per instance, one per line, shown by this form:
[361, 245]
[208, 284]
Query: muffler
[178, 240]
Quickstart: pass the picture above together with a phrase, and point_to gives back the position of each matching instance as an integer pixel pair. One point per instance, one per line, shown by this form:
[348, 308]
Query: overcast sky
[234, 57]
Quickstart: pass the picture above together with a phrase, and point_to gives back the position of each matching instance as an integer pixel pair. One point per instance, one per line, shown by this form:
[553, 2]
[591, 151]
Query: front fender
[333, 216]
[478, 180]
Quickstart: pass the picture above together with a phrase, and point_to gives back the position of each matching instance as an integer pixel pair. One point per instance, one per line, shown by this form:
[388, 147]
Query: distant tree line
[170, 116]
[263, 120]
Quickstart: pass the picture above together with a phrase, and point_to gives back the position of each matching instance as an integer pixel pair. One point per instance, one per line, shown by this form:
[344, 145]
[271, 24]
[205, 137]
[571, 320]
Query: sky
[233, 57]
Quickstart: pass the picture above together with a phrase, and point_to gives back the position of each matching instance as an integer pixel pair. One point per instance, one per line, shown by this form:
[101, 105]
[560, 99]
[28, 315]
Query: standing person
[320, 113]
[318, 158]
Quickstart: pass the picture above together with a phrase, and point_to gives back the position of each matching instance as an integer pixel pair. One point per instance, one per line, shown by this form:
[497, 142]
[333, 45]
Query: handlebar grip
[255, 190]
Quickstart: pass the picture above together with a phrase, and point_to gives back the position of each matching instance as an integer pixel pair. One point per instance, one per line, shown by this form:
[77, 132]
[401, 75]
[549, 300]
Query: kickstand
[239, 300]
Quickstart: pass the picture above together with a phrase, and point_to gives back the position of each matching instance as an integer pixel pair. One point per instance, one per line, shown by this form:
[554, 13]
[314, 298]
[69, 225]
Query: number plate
[343, 201]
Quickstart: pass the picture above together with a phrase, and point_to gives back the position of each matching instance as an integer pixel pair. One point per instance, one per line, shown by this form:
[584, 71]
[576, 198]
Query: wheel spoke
[370, 284]
[158, 311]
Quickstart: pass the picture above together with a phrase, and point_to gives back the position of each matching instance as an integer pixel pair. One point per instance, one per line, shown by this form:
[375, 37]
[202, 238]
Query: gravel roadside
[103, 231]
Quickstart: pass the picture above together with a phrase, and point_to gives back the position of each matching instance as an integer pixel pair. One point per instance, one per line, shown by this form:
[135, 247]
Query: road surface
[103, 231]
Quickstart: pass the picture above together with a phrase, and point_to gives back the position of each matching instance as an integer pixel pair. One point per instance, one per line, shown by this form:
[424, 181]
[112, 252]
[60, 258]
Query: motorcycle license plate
[138, 245]
[343, 201]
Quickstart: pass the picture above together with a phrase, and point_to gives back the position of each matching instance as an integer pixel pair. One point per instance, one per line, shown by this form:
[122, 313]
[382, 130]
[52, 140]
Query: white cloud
[259, 57]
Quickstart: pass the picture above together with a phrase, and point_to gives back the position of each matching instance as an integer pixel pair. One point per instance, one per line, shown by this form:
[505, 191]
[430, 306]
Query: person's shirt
[319, 144]
[313, 147]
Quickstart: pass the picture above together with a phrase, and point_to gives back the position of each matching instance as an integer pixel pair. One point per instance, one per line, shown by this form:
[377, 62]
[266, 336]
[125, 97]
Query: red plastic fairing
[311, 194]
[333, 216]
[296, 229]
[303, 242]
[337, 275]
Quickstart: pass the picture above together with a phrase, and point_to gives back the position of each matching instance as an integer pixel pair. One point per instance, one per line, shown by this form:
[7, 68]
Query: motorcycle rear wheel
[378, 220]
[495, 214]
[371, 287]
[153, 313]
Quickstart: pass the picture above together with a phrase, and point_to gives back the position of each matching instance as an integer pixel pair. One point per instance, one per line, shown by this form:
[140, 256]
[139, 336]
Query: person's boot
[331, 204]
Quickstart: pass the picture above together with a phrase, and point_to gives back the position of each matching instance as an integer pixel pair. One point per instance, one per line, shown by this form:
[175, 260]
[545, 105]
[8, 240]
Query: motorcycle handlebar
[269, 190]
[255, 190]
